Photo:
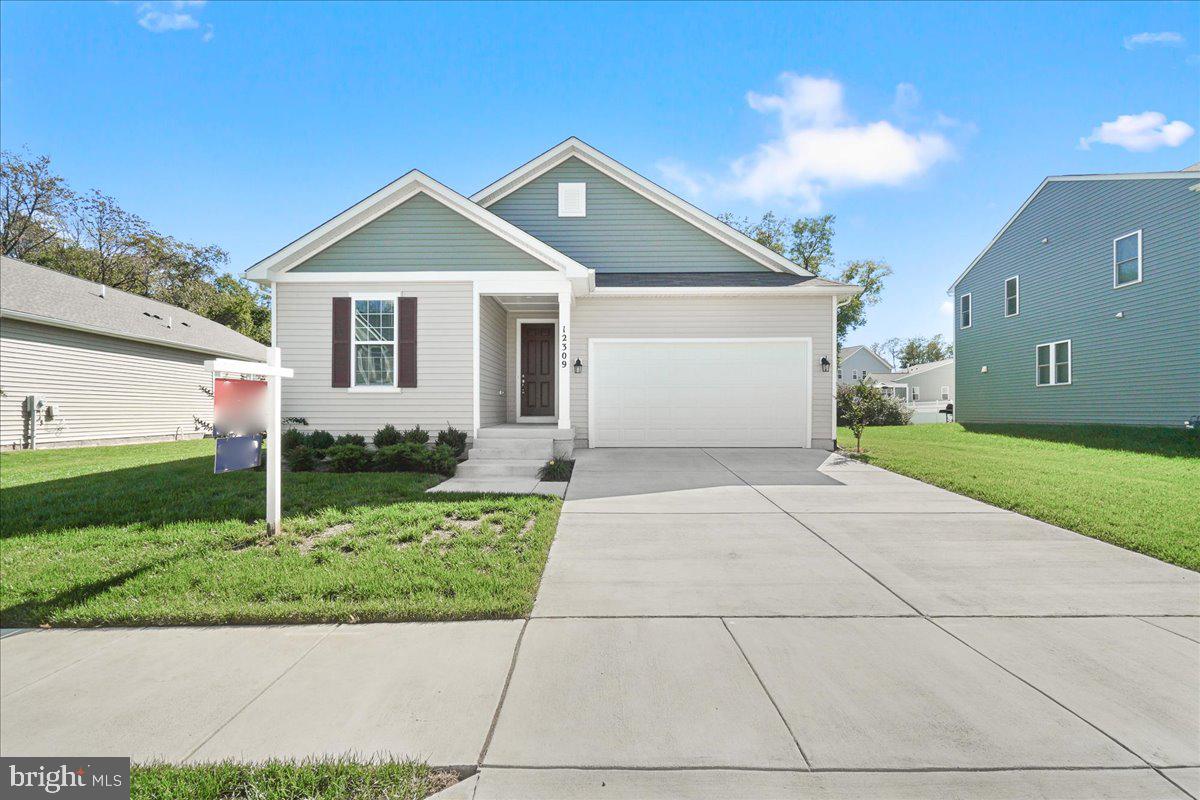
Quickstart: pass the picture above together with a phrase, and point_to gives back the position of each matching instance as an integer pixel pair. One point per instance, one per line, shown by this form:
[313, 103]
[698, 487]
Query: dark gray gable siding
[421, 235]
[622, 232]
[1143, 369]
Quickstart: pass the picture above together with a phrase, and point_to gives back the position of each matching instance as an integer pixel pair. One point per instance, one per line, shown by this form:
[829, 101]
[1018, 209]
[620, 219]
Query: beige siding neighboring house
[108, 367]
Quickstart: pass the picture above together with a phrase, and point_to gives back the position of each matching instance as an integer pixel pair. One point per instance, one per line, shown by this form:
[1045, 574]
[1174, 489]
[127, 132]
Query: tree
[241, 306]
[861, 404]
[890, 348]
[919, 350]
[808, 241]
[33, 201]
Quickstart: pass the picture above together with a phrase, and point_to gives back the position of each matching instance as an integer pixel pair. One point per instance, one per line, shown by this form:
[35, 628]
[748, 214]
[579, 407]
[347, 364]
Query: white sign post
[274, 372]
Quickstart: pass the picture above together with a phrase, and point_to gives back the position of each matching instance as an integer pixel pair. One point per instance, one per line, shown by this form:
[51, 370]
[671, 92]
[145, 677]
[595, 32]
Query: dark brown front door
[537, 370]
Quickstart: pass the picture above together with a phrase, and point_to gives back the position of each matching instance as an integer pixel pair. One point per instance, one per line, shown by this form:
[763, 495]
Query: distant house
[925, 388]
[857, 361]
[1095, 276]
[103, 366]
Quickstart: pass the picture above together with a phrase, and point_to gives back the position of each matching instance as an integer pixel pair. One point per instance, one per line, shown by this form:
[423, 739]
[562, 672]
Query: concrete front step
[512, 448]
[517, 431]
[501, 468]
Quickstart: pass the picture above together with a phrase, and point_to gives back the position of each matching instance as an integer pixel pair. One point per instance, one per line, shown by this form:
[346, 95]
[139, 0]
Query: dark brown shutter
[406, 342]
[342, 357]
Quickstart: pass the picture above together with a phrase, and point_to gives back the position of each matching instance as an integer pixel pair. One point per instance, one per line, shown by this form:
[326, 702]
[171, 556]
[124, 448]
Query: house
[102, 366]
[927, 389]
[1095, 276]
[856, 361]
[571, 301]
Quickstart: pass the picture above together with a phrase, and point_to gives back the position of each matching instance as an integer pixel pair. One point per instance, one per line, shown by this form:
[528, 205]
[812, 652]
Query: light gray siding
[445, 372]
[930, 382]
[103, 389]
[622, 232]
[423, 235]
[707, 317]
[493, 361]
[1140, 369]
[859, 363]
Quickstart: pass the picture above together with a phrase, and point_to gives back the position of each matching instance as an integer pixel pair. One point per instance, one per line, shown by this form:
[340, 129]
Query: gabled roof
[1185, 174]
[917, 369]
[846, 352]
[47, 297]
[576, 148]
[386, 199]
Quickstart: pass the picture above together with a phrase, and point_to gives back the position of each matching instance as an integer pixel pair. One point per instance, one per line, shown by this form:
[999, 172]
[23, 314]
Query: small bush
[441, 460]
[881, 411]
[453, 438]
[352, 438]
[386, 436]
[403, 457]
[557, 469]
[416, 436]
[301, 459]
[348, 458]
[319, 442]
[290, 439]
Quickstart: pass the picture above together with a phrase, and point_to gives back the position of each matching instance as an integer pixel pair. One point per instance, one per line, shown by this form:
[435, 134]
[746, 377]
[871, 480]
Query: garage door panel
[749, 393]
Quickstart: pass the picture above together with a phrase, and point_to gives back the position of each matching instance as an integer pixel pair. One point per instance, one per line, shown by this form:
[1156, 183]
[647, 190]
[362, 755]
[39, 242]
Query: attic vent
[572, 199]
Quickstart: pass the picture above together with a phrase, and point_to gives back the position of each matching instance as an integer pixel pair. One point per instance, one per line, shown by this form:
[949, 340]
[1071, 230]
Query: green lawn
[146, 534]
[1137, 488]
[288, 781]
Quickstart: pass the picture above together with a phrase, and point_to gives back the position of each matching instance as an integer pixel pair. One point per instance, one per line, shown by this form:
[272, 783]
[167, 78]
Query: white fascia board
[684, 291]
[53, 322]
[1127, 176]
[386, 199]
[631, 180]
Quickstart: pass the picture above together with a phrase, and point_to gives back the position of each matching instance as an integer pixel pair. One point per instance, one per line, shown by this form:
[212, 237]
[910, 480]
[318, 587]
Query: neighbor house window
[1012, 296]
[1127, 260]
[1054, 363]
[916, 393]
[572, 199]
[839, 373]
[964, 311]
[374, 343]
[945, 392]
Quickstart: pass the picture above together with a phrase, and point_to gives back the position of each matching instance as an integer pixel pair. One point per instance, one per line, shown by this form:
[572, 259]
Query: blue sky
[922, 127]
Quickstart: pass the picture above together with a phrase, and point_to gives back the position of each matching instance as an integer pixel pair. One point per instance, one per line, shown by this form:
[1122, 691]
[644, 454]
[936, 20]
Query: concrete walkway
[720, 623]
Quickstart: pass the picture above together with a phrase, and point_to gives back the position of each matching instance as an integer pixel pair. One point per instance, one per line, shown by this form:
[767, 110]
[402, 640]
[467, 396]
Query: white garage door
[699, 393]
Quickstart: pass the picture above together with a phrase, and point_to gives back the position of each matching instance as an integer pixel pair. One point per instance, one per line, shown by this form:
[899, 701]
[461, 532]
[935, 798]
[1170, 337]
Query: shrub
[860, 406]
[319, 442]
[403, 457]
[889, 411]
[348, 457]
[557, 469]
[453, 438]
[416, 436]
[352, 438]
[441, 460]
[301, 459]
[290, 439]
[385, 436]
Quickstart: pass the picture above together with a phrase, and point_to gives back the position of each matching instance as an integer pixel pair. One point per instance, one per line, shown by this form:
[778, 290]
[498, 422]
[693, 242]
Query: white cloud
[946, 308]
[907, 99]
[1140, 132]
[176, 15]
[1163, 38]
[819, 147]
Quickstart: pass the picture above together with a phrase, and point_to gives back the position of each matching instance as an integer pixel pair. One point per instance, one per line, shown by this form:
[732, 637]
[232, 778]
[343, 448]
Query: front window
[1054, 363]
[964, 311]
[1127, 260]
[374, 343]
[1012, 296]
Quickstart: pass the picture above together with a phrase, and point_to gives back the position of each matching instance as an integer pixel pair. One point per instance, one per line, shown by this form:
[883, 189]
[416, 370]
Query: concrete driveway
[711, 623]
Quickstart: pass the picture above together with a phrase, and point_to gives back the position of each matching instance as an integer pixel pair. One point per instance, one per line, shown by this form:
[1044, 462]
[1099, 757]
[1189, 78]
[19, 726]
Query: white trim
[575, 148]
[970, 311]
[389, 197]
[519, 279]
[22, 316]
[670, 291]
[517, 373]
[837, 371]
[1138, 234]
[564, 197]
[562, 350]
[354, 342]
[1016, 297]
[593, 341]
[1053, 361]
[476, 389]
[1128, 176]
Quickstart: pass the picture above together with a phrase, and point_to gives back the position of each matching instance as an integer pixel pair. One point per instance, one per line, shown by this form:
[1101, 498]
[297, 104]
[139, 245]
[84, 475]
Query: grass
[327, 780]
[146, 535]
[1138, 488]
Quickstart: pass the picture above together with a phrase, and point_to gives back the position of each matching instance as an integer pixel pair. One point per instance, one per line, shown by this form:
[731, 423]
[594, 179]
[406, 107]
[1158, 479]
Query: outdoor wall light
[578, 366]
[824, 364]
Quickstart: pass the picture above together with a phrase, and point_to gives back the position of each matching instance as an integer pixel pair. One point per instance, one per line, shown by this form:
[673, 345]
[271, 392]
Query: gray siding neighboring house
[857, 361]
[1110, 351]
[925, 388]
[109, 367]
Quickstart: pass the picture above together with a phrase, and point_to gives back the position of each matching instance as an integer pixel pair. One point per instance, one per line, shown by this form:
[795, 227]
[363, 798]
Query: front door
[537, 370]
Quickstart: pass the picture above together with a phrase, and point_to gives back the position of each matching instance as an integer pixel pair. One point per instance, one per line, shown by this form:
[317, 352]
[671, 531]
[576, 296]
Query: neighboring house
[925, 388]
[1094, 277]
[857, 361]
[572, 295]
[105, 366]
